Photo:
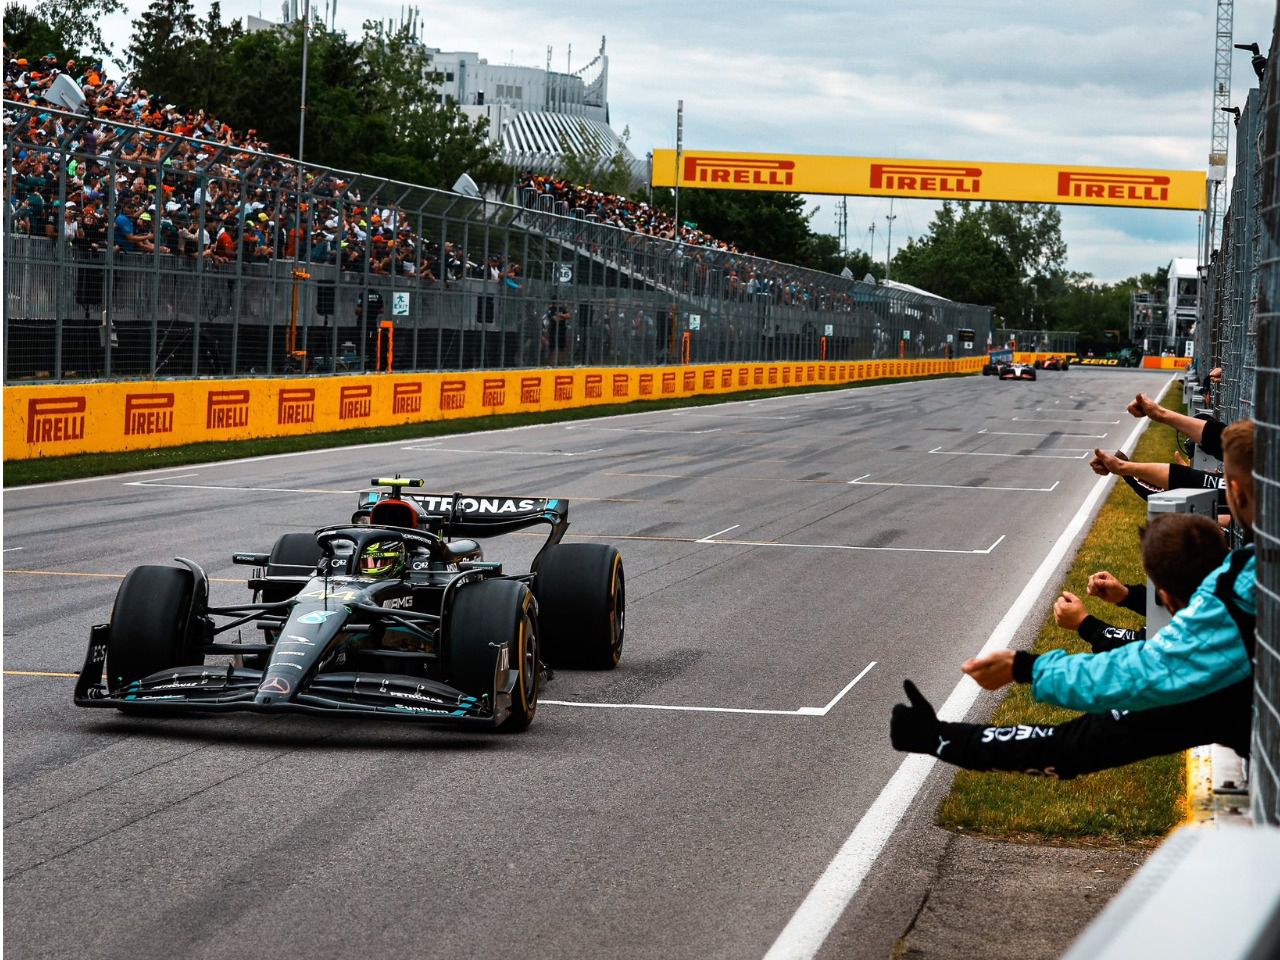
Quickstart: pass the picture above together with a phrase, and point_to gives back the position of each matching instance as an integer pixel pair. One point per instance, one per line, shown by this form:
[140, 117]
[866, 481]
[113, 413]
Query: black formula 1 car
[395, 614]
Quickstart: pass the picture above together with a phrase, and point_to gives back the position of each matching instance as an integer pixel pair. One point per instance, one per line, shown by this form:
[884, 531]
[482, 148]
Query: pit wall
[49, 420]
[1148, 363]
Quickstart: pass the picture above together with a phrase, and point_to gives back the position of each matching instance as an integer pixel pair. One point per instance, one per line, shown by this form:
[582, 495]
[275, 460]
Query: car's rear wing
[466, 515]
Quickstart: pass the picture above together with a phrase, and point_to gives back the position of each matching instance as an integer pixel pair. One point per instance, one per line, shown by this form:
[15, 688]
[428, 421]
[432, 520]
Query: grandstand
[145, 240]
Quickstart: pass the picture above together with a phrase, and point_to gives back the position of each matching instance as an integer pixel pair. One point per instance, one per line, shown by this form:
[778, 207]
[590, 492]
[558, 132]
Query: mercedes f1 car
[396, 614]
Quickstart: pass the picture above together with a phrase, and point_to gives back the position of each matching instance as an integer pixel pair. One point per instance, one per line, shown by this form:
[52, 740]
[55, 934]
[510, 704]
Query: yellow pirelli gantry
[931, 179]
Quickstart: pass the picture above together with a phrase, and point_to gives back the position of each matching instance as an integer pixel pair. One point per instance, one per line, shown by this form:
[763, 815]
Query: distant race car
[395, 614]
[1017, 371]
[1054, 363]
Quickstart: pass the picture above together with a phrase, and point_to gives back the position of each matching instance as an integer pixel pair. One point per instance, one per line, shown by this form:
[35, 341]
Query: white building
[533, 111]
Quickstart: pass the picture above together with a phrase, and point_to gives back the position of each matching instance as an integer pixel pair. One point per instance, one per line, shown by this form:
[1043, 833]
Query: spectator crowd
[186, 183]
[708, 264]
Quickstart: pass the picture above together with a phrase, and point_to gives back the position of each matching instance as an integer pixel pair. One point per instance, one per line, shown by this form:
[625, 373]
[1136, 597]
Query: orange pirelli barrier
[49, 420]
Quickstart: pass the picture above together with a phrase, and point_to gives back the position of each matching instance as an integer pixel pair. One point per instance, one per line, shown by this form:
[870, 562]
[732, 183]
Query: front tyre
[152, 625]
[582, 605]
[484, 617]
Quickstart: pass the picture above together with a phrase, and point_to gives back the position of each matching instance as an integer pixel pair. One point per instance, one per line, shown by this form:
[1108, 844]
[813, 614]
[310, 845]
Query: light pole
[299, 272]
[675, 302]
[679, 151]
[888, 247]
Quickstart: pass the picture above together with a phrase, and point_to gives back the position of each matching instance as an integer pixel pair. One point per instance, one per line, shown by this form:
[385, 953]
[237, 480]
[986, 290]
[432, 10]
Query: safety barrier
[62, 418]
[1148, 363]
[1263, 336]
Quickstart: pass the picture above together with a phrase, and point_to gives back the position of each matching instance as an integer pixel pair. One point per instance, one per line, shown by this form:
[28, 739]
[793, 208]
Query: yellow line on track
[37, 673]
[109, 576]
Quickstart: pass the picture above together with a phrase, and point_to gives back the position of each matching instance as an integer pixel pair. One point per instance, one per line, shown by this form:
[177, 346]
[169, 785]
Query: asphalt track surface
[788, 560]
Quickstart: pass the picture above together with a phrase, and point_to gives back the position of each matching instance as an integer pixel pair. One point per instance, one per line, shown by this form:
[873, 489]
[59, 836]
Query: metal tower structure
[842, 227]
[1219, 137]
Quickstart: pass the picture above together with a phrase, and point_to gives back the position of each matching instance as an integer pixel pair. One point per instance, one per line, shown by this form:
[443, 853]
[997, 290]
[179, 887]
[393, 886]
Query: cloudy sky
[1115, 83]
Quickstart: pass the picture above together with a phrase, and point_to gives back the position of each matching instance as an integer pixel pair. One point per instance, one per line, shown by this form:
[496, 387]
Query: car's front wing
[215, 689]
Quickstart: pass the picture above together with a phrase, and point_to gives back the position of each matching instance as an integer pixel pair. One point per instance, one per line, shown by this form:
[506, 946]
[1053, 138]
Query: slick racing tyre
[582, 605]
[151, 625]
[294, 555]
[485, 616]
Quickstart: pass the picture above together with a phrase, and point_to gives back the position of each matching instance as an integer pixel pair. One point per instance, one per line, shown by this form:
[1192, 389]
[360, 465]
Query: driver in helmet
[383, 558]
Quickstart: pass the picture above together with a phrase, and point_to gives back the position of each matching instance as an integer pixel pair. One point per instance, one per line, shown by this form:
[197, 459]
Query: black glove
[915, 728]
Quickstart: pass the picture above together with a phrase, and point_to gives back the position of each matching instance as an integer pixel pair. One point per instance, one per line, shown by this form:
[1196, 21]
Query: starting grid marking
[1016, 456]
[681, 708]
[669, 707]
[1110, 423]
[862, 481]
[436, 448]
[796, 546]
[1055, 433]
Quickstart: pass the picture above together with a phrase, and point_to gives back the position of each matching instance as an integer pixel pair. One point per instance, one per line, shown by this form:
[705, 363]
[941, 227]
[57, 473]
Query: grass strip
[1140, 801]
[19, 473]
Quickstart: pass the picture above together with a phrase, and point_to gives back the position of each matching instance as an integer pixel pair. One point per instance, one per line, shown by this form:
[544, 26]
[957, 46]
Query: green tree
[71, 28]
[958, 259]
[1007, 256]
[211, 81]
[772, 225]
[28, 35]
[418, 136]
[593, 167]
[160, 50]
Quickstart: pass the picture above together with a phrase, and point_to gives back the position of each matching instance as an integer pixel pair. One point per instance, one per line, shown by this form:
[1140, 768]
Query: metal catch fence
[130, 253]
[1237, 331]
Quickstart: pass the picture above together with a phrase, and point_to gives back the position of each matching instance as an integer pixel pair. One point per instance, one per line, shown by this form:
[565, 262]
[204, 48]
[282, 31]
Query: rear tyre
[151, 627]
[582, 605]
[483, 617]
[294, 555]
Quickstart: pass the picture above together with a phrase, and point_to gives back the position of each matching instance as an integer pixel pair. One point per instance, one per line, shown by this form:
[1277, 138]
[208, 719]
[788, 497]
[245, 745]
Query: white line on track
[431, 447]
[211, 486]
[1016, 456]
[1060, 420]
[728, 416]
[841, 546]
[708, 539]
[862, 481]
[775, 543]
[1011, 433]
[807, 930]
[8, 549]
[683, 433]
[679, 708]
